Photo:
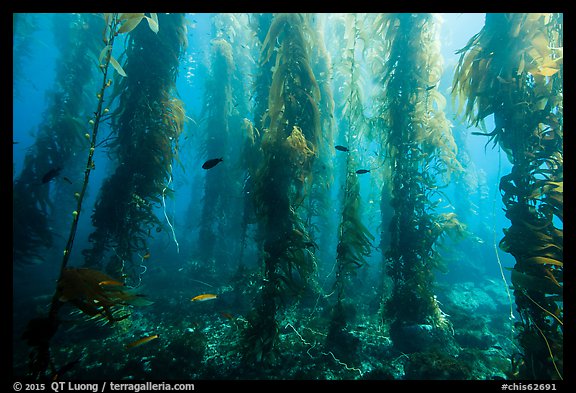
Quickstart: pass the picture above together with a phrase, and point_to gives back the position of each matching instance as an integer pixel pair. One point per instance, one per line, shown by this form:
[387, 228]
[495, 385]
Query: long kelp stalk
[146, 125]
[40, 331]
[214, 222]
[421, 153]
[513, 69]
[320, 222]
[251, 131]
[354, 239]
[241, 162]
[59, 144]
[24, 25]
[289, 147]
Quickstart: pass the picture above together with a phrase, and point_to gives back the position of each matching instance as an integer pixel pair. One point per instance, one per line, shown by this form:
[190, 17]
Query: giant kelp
[146, 124]
[75, 285]
[226, 189]
[217, 107]
[354, 240]
[289, 147]
[60, 140]
[277, 199]
[260, 24]
[318, 213]
[512, 69]
[421, 155]
[252, 130]
[97, 294]
[24, 26]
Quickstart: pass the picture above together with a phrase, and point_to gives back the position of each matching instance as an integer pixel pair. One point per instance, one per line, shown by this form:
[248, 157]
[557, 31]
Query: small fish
[212, 163]
[146, 256]
[362, 171]
[141, 341]
[51, 174]
[341, 148]
[227, 315]
[204, 297]
[67, 180]
[111, 282]
[430, 87]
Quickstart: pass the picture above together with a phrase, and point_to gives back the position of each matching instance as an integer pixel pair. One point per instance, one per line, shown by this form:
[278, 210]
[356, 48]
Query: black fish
[67, 180]
[51, 174]
[212, 163]
[430, 87]
[341, 148]
[362, 171]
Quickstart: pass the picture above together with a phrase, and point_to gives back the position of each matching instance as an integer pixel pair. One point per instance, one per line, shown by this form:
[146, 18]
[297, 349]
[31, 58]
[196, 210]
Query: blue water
[173, 274]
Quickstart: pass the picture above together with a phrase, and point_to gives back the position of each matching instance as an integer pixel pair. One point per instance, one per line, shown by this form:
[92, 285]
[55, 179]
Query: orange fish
[141, 341]
[146, 256]
[204, 297]
[111, 282]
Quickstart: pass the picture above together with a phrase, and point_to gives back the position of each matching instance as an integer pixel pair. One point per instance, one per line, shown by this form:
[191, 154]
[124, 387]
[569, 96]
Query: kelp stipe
[354, 240]
[216, 143]
[24, 25]
[289, 147]
[252, 131]
[146, 125]
[59, 144]
[419, 148]
[319, 221]
[40, 330]
[243, 134]
[513, 69]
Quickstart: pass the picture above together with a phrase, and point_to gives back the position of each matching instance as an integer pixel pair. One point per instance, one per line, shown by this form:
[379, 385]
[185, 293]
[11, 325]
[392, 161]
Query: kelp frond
[513, 69]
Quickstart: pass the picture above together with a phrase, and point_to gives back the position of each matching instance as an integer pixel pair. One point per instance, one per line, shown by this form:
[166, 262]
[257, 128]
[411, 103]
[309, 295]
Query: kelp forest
[256, 196]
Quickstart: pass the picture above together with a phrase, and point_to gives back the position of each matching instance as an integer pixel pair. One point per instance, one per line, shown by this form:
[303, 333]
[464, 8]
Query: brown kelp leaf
[530, 282]
[117, 66]
[545, 261]
[540, 42]
[130, 22]
[545, 71]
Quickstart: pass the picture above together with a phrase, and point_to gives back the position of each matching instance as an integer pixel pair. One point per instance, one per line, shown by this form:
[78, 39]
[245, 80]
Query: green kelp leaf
[130, 23]
[117, 66]
[153, 22]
